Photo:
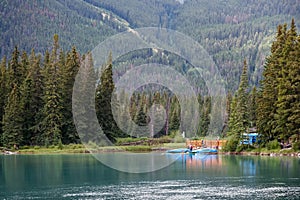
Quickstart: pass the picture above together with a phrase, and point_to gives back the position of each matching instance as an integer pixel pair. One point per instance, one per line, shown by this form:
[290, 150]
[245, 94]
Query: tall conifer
[52, 115]
[103, 101]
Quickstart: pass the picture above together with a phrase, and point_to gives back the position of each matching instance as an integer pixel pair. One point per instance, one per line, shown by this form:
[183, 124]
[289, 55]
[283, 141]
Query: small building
[249, 138]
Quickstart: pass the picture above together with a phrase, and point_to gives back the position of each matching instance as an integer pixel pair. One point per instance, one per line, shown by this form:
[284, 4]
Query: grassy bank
[79, 148]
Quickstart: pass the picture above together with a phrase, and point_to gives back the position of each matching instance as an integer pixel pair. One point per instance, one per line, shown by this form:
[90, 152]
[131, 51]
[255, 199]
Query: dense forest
[230, 30]
[260, 66]
[36, 98]
[274, 107]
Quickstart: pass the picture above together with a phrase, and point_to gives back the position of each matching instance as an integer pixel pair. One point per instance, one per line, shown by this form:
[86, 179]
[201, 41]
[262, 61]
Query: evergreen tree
[12, 121]
[278, 102]
[31, 100]
[68, 73]
[205, 110]
[288, 88]
[122, 116]
[3, 93]
[133, 112]
[228, 113]
[52, 116]
[37, 77]
[24, 66]
[141, 118]
[234, 125]
[239, 113]
[253, 107]
[83, 103]
[15, 70]
[293, 120]
[103, 102]
[175, 114]
[242, 94]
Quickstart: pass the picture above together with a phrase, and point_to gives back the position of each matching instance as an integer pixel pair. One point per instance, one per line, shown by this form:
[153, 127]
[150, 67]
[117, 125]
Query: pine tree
[288, 90]
[133, 112]
[141, 117]
[234, 125]
[52, 116]
[37, 95]
[3, 93]
[68, 73]
[253, 107]
[103, 101]
[293, 121]
[278, 103]
[228, 113]
[122, 115]
[12, 121]
[175, 114]
[242, 94]
[239, 113]
[15, 70]
[205, 110]
[31, 100]
[24, 66]
[83, 103]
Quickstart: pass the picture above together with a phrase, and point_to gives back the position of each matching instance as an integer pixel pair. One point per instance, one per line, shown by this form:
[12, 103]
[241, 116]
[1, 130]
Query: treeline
[148, 108]
[279, 98]
[36, 101]
[229, 31]
[36, 96]
[275, 106]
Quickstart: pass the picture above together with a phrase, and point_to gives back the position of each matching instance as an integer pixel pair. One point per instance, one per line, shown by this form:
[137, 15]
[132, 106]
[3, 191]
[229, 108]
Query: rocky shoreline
[155, 149]
[297, 154]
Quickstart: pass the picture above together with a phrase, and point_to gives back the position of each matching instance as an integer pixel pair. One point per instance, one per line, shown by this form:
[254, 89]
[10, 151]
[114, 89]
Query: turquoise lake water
[189, 177]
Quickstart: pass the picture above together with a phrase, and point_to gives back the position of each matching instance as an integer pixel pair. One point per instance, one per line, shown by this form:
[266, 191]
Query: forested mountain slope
[230, 30]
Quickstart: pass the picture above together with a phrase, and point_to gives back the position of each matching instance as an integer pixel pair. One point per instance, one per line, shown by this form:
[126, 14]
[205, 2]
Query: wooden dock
[206, 143]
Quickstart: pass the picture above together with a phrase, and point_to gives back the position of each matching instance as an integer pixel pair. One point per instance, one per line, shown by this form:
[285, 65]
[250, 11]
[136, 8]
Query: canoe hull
[195, 151]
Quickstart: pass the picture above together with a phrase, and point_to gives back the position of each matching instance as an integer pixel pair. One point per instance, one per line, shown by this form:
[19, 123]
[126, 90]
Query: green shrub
[231, 145]
[92, 145]
[75, 146]
[25, 147]
[244, 147]
[143, 141]
[47, 143]
[165, 139]
[60, 145]
[176, 137]
[272, 145]
[120, 141]
[296, 146]
[36, 147]
[294, 138]
[137, 148]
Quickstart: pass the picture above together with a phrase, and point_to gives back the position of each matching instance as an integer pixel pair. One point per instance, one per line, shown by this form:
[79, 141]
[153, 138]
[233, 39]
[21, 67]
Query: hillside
[230, 30]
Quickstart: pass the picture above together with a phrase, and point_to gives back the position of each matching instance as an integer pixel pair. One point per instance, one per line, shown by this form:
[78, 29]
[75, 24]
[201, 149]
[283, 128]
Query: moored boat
[180, 150]
[9, 153]
[205, 150]
[195, 151]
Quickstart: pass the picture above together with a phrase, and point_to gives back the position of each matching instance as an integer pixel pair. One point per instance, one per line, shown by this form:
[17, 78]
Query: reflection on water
[136, 162]
[190, 176]
[200, 161]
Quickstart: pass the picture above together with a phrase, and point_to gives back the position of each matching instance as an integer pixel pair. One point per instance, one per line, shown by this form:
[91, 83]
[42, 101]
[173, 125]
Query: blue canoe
[181, 150]
[205, 150]
[185, 150]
